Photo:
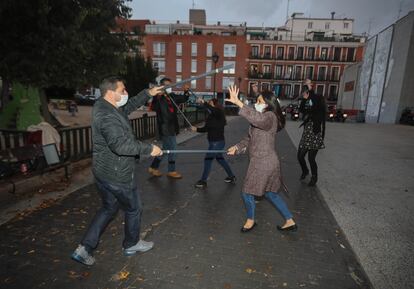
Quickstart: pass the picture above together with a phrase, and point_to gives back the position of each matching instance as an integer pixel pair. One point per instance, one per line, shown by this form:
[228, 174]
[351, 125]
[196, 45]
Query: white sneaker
[141, 246]
[82, 256]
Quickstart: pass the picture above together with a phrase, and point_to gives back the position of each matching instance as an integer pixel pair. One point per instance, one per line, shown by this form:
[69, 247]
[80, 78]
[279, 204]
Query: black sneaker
[230, 180]
[201, 184]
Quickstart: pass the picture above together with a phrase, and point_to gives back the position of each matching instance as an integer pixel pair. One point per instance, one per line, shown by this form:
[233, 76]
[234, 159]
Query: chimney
[218, 23]
[332, 15]
[178, 21]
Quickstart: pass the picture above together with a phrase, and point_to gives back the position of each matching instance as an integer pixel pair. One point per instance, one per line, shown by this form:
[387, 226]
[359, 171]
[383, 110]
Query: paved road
[197, 236]
[366, 177]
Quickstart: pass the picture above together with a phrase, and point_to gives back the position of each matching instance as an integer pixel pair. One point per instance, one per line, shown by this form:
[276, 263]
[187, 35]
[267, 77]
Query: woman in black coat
[313, 109]
[214, 127]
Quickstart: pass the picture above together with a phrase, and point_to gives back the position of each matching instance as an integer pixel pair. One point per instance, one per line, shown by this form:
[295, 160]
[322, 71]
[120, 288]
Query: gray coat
[263, 173]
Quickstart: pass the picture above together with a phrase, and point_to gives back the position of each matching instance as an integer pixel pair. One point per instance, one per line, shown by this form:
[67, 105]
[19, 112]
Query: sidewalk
[196, 232]
[366, 178]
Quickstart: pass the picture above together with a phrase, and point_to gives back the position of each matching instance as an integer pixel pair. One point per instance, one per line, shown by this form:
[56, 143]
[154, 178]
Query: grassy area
[26, 103]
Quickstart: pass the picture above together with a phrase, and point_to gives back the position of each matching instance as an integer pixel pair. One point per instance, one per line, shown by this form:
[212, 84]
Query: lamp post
[215, 59]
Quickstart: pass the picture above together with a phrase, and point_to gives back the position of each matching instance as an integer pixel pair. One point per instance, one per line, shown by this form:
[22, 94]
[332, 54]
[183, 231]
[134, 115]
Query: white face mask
[260, 106]
[168, 90]
[123, 101]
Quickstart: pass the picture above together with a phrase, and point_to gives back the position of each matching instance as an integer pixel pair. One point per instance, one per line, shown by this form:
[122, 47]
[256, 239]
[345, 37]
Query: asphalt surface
[198, 243]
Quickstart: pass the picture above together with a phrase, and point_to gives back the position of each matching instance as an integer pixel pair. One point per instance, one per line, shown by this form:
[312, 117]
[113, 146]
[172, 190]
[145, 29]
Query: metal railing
[76, 142]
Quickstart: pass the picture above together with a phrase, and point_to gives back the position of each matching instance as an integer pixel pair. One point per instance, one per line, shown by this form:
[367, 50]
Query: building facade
[275, 58]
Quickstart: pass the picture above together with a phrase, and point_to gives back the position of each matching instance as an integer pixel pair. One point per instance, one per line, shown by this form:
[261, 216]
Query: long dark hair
[217, 103]
[274, 106]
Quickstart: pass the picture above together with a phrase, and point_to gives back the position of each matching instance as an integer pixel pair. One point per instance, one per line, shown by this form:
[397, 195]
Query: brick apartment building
[276, 58]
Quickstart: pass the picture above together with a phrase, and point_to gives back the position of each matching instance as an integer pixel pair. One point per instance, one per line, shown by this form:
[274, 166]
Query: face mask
[168, 90]
[123, 101]
[260, 106]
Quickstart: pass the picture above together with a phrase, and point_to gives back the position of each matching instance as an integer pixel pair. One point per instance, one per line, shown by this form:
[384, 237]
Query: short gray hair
[109, 83]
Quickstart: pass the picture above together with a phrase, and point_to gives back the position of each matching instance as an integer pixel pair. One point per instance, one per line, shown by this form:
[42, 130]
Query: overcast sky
[370, 15]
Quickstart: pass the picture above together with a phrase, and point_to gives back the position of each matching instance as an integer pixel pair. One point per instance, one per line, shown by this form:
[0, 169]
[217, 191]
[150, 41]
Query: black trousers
[312, 162]
[114, 197]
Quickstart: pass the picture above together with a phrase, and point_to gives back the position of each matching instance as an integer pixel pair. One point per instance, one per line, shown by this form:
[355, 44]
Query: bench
[30, 160]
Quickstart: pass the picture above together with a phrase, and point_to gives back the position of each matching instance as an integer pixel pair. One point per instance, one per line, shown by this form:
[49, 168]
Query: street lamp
[215, 59]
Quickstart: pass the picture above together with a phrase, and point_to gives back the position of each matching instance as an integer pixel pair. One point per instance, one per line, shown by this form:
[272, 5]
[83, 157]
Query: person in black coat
[214, 127]
[164, 105]
[313, 109]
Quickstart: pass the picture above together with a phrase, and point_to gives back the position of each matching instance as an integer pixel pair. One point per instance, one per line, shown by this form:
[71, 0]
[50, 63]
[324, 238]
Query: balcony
[260, 75]
[258, 56]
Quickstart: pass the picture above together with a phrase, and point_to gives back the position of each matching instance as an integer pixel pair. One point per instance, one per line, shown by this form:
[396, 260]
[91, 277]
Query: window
[299, 55]
[278, 71]
[288, 90]
[324, 53]
[159, 65]
[337, 54]
[298, 72]
[158, 48]
[194, 84]
[296, 90]
[265, 86]
[310, 25]
[209, 51]
[291, 53]
[350, 54]
[178, 78]
[254, 70]
[255, 51]
[194, 65]
[266, 71]
[209, 64]
[327, 25]
[179, 49]
[322, 73]
[320, 89]
[280, 52]
[193, 49]
[178, 65]
[288, 72]
[311, 53]
[231, 70]
[267, 52]
[333, 92]
[335, 73]
[346, 25]
[208, 82]
[227, 81]
[309, 72]
[230, 50]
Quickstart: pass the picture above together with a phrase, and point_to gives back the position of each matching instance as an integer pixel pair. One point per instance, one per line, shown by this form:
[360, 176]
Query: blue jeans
[169, 142]
[208, 160]
[115, 196]
[274, 198]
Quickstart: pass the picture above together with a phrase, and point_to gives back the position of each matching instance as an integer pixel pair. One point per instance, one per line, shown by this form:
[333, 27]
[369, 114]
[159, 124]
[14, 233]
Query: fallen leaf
[227, 286]
[250, 271]
[285, 284]
[31, 252]
[342, 246]
[211, 238]
[122, 275]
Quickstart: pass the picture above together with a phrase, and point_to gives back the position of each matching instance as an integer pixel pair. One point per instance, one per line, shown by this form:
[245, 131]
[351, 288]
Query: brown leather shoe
[174, 175]
[154, 172]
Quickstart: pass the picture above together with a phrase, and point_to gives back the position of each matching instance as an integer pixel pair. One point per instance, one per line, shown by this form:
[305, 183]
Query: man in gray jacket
[113, 164]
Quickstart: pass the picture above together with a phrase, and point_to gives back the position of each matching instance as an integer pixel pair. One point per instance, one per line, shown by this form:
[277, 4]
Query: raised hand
[156, 90]
[234, 92]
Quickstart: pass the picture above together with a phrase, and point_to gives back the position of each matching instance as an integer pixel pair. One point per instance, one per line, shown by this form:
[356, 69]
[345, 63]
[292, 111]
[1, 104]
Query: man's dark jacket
[115, 145]
[167, 119]
[215, 122]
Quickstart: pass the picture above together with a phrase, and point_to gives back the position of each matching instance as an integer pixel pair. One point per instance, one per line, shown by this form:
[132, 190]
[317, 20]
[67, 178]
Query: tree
[138, 73]
[60, 43]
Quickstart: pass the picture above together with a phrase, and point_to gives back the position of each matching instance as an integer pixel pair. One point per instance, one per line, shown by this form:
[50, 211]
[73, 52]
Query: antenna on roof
[193, 4]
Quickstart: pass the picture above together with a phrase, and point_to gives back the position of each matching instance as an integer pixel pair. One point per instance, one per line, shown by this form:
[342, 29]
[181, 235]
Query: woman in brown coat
[263, 173]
